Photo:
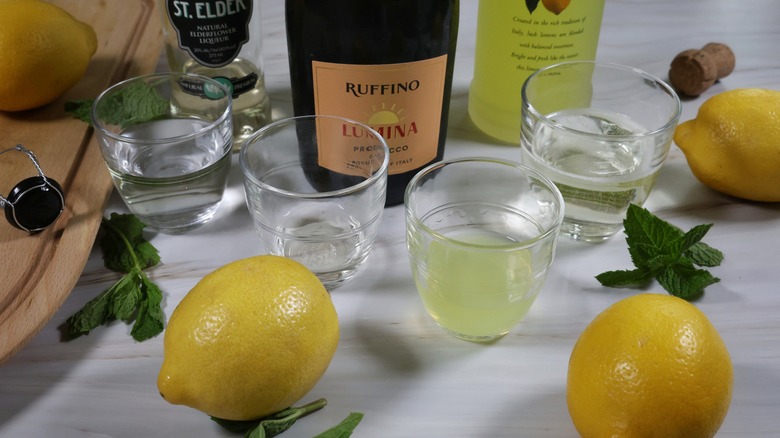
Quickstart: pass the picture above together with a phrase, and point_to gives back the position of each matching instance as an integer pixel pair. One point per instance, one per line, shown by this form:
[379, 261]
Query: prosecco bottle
[385, 63]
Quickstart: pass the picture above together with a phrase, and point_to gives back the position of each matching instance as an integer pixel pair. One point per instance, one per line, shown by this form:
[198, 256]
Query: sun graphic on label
[385, 115]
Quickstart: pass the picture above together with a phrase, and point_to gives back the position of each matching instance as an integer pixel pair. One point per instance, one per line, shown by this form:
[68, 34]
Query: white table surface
[393, 364]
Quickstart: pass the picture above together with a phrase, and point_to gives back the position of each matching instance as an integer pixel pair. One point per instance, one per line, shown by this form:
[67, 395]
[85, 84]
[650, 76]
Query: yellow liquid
[480, 290]
[512, 43]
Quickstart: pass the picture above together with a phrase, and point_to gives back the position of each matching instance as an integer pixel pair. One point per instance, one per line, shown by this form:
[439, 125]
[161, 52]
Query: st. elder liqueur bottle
[386, 63]
[221, 39]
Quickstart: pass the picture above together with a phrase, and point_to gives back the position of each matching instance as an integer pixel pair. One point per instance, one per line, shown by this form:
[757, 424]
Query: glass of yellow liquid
[481, 234]
[601, 133]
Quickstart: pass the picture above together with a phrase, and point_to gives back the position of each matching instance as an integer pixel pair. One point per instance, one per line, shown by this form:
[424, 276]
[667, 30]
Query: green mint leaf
[256, 432]
[662, 251]
[641, 226]
[704, 255]
[694, 236]
[124, 246]
[647, 236]
[124, 250]
[150, 320]
[80, 109]
[236, 426]
[624, 278]
[685, 281]
[96, 312]
[126, 298]
[343, 429]
[137, 103]
[271, 425]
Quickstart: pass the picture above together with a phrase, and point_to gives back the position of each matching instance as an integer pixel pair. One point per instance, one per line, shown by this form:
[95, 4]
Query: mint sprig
[661, 251]
[133, 296]
[274, 424]
[137, 103]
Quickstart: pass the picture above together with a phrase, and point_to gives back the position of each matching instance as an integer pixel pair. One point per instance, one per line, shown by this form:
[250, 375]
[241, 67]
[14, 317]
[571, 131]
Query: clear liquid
[252, 109]
[172, 187]
[480, 288]
[599, 178]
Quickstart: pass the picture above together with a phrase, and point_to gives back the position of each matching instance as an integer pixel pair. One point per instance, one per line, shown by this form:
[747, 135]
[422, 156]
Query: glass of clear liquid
[166, 140]
[315, 188]
[481, 234]
[601, 133]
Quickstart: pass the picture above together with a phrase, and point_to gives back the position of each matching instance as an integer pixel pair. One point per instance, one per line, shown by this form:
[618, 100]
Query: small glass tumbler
[601, 132]
[320, 209]
[481, 234]
[166, 140]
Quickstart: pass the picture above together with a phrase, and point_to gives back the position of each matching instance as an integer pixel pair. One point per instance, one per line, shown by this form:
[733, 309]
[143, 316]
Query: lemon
[250, 339]
[650, 365]
[733, 144]
[44, 51]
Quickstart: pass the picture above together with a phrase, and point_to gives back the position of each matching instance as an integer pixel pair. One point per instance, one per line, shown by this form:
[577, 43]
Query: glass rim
[529, 172]
[251, 140]
[101, 127]
[670, 123]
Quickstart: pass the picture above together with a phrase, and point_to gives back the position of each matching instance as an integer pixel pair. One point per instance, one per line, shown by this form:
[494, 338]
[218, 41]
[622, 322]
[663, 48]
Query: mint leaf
[150, 320]
[343, 429]
[702, 254]
[685, 280]
[123, 244]
[126, 296]
[273, 424]
[662, 251]
[137, 103]
[96, 312]
[124, 250]
[624, 277]
[80, 109]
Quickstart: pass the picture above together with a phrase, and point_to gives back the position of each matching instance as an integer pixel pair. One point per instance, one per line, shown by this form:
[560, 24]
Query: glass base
[332, 280]
[482, 339]
[588, 231]
[178, 223]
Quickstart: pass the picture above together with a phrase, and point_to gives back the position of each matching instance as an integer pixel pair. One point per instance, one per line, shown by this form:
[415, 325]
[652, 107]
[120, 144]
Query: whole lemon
[733, 144]
[650, 365]
[250, 339]
[44, 51]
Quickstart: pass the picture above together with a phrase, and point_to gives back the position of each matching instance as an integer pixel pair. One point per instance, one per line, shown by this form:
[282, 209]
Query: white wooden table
[393, 364]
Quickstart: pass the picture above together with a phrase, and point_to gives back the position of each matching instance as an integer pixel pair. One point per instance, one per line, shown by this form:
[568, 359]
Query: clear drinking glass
[166, 140]
[321, 209]
[481, 235]
[601, 132]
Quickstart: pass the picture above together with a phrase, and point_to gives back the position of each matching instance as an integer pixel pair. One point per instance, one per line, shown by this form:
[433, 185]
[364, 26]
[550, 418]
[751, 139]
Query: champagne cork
[694, 71]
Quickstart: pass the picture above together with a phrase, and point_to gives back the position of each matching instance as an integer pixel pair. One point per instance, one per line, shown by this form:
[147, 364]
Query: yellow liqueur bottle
[516, 38]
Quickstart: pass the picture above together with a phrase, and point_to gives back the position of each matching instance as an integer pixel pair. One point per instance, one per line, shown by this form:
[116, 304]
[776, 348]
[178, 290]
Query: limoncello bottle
[514, 39]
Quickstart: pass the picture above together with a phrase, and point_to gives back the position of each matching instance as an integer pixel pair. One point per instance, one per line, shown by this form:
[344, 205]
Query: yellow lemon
[651, 365]
[44, 51]
[250, 339]
[733, 144]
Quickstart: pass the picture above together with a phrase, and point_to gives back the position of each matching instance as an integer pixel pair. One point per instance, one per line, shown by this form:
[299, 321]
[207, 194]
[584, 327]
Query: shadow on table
[46, 360]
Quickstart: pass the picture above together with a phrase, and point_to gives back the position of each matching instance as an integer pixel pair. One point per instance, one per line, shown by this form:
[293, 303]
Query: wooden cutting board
[38, 272]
